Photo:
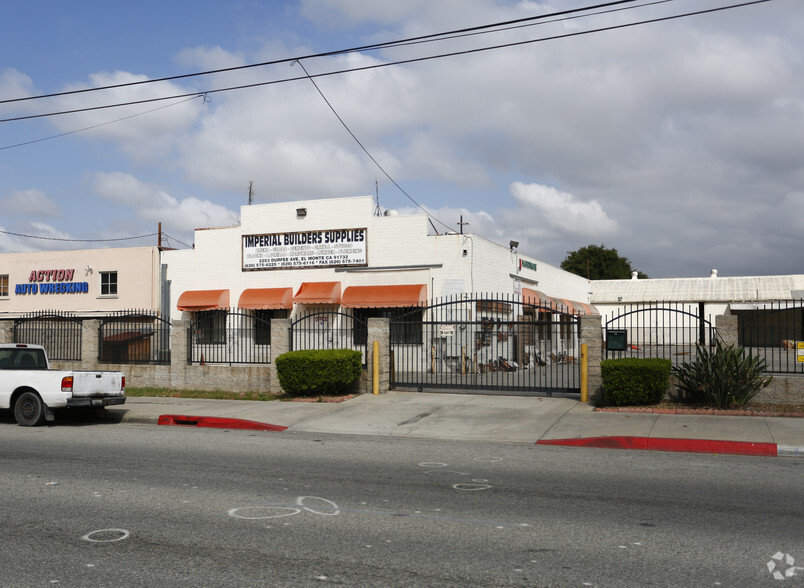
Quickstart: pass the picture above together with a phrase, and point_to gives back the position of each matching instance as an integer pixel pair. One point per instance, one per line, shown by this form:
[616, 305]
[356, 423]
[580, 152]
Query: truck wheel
[29, 410]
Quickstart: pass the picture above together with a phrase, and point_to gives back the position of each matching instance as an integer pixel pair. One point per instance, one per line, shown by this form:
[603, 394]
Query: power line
[31, 142]
[394, 63]
[77, 240]
[366, 151]
[362, 48]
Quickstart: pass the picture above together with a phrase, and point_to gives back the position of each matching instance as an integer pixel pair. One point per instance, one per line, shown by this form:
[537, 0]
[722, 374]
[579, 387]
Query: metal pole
[584, 373]
[375, 369]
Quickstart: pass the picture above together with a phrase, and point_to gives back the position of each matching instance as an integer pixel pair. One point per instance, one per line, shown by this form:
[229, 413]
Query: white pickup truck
[33, 390]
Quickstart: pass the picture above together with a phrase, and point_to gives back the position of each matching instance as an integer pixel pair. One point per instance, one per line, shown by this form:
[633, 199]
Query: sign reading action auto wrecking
[330, 248]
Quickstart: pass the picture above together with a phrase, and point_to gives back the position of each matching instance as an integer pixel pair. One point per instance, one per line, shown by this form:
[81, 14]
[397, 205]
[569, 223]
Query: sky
[678, 142]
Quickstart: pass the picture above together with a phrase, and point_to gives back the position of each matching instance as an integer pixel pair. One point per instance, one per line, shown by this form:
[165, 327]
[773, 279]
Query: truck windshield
[22, 359]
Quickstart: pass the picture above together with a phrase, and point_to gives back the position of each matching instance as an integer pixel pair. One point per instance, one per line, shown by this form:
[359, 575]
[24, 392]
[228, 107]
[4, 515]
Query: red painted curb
[176, 420]
[662, 444]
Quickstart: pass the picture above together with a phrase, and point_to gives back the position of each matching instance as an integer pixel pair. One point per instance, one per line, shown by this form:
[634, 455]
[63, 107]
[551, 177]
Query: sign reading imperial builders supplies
[330, 248]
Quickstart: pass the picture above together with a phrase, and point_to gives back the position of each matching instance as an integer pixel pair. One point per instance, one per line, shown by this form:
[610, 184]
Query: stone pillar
[379, 329]
[726, 326]
[7, 331]
[592, 336]
[280, 343]
[90, 335]
[178, 354]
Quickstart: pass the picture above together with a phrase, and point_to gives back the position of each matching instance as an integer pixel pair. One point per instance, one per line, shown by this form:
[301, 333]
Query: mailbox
[616, 339]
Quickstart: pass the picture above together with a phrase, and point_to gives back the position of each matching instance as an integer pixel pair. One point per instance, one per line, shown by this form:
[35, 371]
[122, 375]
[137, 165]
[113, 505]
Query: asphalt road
[101, 504]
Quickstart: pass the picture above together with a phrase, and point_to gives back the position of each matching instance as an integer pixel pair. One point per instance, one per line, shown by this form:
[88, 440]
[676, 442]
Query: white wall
[399, 251]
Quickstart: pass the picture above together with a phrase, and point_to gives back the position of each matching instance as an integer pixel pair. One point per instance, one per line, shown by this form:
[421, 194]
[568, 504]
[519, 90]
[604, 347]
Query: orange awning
[385, 296]
[195, 300]
[266, 298]
[318, 293]
[537, 298]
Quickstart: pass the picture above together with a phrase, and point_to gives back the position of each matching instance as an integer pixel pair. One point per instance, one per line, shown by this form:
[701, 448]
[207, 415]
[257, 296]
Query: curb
[176, 420]
[680, 445]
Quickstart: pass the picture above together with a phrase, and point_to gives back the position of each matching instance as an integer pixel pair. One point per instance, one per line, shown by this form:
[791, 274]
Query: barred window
[211, 326]
[262, 324]
[406, 324]
[4, 286]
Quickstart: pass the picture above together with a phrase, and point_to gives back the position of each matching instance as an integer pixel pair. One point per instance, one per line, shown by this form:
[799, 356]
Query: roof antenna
[377, 211]
[251, 192]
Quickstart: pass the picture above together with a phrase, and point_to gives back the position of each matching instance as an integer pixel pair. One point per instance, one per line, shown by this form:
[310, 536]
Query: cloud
[145, 131]
[152, 204]
[562, 212]
[15, 84]
[32, 203]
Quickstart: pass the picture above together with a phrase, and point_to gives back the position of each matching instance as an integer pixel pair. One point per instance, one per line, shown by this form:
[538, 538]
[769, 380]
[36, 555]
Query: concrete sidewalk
[509, 419]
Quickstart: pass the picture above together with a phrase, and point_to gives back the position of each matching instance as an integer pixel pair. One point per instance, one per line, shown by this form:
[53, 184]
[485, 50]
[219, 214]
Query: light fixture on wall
[301, 212]
[89, 269]
[513, 244]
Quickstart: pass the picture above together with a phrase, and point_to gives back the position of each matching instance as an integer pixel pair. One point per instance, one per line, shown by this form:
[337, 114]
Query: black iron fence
[58, 332]
[325, 328]
[229, 337]
[134, 336]
[668, 330]
[775, 331]
[486, 343]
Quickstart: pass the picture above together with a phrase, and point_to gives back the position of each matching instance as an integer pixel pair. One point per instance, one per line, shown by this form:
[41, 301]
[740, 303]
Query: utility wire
[399, 62]
[77, 240]
[362, 48]
[366, 151]
[31, 142]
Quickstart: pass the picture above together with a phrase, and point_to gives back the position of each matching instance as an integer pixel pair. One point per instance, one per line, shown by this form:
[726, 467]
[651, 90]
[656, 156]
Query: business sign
[55, 281]
[308, 249]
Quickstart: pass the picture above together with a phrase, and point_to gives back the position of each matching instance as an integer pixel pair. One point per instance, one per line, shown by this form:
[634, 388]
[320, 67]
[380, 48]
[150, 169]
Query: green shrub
[723, 377]
[318, 371]
[634, 380]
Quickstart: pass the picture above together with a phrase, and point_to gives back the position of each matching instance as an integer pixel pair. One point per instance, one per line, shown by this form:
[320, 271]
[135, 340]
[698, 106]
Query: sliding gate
[486, 344]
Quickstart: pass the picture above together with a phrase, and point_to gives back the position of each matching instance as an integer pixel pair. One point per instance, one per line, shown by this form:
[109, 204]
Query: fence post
[90, 337]
[592, 337]
[280, 343]
[726, 326]
[379, 329]
[7, 331]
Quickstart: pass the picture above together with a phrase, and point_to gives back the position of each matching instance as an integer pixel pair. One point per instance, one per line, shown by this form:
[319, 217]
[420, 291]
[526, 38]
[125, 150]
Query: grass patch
[204, 394]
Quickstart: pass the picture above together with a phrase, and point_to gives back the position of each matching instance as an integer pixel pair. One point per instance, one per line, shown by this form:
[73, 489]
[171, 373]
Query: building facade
[86, 282]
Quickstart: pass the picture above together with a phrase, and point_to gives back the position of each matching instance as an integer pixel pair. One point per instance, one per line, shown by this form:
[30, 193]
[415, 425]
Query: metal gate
[491, 344]
[658, 329]
[329, 329]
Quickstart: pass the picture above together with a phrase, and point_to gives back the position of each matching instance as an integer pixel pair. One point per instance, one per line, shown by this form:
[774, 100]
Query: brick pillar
[379, 329]
[280, 343]
[726, 325]
[592, 336]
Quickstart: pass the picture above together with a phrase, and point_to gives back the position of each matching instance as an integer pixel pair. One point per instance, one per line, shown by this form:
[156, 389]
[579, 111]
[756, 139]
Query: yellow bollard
[375, 369]
[584, 374]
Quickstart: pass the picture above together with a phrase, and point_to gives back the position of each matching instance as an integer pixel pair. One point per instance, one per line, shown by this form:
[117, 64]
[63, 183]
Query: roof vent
[713, 273]
[390, 212]
[634, 275]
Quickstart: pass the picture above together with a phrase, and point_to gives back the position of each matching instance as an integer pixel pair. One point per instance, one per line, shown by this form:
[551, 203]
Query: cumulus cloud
[14, 84]
[143, 131]
[29, 203]
[150, 203]
[563, 212]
